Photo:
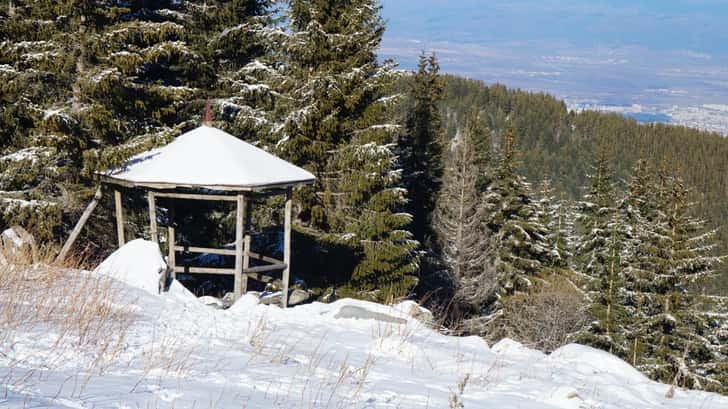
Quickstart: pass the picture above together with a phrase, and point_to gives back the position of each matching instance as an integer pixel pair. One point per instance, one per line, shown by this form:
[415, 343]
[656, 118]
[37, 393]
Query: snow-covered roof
[209, 158]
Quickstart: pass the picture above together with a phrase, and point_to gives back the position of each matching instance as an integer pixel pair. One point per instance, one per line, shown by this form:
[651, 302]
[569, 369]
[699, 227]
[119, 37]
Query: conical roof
[209, 158]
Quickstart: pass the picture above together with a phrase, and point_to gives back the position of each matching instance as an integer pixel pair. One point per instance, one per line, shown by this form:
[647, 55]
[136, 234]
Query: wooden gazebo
[209, 164]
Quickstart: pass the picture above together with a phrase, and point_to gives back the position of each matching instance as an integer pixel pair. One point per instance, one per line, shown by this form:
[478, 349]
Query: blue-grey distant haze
[656, 53]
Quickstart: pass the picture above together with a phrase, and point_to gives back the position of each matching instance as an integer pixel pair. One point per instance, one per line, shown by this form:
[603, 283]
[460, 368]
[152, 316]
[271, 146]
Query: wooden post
[119, 218]
[287, 249]
[171, 257]
[153, 217]
[239, 232]
[246, 263]
[79, 225]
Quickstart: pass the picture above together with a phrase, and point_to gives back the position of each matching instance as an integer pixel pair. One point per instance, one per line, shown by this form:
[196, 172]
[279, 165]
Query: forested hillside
[509, 215]
[561, 145]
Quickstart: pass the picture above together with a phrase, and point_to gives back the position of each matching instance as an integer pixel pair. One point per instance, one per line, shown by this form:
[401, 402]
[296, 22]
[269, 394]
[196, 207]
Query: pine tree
[678, 341]
[337, 123]
[523, 250]
[601, 259]
[421, 146]
[460, 225]
[482, 146]
[99, 84]
[554, 214]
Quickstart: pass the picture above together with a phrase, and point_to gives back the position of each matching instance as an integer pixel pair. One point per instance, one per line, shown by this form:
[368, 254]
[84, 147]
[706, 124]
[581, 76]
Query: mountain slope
[561, 145]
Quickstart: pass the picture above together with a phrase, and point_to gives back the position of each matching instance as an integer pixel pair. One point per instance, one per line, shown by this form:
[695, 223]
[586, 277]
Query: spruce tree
[107, 81]
[679, 343]
[421, 147]
[601, 250]
[555, 215]
[521, 238]
[337, 122]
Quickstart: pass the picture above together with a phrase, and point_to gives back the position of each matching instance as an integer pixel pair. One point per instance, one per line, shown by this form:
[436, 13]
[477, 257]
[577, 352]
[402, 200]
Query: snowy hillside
[177, 352]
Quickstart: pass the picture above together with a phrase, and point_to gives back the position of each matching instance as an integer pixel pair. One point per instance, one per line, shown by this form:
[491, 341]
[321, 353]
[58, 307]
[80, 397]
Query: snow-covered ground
[180, 353]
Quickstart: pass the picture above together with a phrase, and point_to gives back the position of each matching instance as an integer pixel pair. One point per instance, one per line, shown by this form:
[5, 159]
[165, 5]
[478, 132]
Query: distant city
[653, 61]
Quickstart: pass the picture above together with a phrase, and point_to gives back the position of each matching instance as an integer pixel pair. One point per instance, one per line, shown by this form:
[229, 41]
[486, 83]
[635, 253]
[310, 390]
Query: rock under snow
[138, 264]
[18, 243]
[361, 313]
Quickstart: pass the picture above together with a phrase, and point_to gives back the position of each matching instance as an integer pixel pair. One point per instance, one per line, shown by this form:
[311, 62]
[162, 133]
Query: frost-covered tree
[90, 83]
[601, 255]
[557, 217]
[521, 238]
[676, 341]
[460, 226]
[337, 122]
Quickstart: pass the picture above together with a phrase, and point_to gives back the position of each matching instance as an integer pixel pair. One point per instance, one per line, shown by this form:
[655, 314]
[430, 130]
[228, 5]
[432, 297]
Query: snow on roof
[209, 158]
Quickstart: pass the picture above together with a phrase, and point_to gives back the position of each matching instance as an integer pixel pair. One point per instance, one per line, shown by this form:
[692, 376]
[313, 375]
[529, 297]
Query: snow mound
[511, 348]
[590, 361]
[138, 264]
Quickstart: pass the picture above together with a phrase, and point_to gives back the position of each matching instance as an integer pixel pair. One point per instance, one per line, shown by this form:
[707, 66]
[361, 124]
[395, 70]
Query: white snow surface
[138, 263]
[210, 158]
[180, 353]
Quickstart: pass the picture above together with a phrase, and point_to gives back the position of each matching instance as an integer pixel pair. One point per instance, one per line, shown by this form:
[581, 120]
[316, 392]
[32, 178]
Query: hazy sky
[655, 52]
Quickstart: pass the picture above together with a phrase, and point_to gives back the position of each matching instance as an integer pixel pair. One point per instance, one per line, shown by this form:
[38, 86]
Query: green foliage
[559, 144]
[335, 119]
[421, 146]
[521, 238]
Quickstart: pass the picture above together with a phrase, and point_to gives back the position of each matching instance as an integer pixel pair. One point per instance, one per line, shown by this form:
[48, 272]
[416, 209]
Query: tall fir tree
[106, 81]
[521, 238]
[554, 214]
[601, 259]
[337, 122]
[678, 341]
[421, 147]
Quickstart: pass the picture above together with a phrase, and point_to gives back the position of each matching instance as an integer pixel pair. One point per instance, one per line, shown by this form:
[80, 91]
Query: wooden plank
[171, 262]
[79, 226]
[267, 259]
[263, 278]
[239, 226]
[246, 262]
[260, 269]
[152, 217]
[227, 252]
[205, 270]
[196, 196]
[287, 248]
[119, 218]
[192, 249]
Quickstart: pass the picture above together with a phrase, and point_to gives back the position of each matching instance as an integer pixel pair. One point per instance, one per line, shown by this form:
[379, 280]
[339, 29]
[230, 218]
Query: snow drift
[349, 354]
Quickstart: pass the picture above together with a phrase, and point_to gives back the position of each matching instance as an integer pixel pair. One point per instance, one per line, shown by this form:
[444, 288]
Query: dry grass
[64, 310]
[548, 317]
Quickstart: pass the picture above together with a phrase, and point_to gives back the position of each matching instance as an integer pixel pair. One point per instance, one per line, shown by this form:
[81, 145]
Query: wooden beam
[192, 249]
[260, 269]
[263, 278]
[239, 231]
[119, 218]
[227, 252]
[197, 196]
[205, 270]
[246, 262]
[79, 226]
[153, 217]
[171, 261]
[287, 248]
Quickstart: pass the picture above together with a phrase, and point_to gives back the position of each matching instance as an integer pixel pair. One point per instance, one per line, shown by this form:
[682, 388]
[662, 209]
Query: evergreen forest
[502, 211]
